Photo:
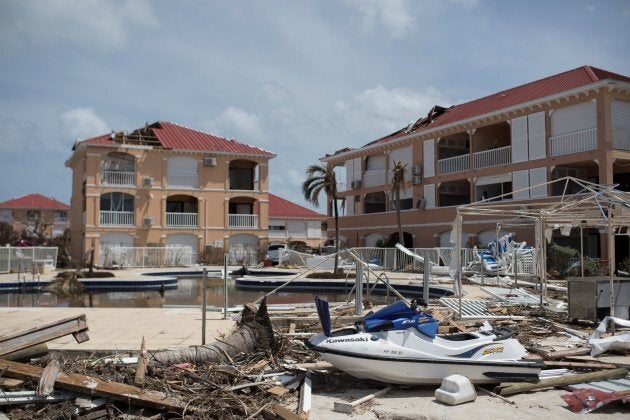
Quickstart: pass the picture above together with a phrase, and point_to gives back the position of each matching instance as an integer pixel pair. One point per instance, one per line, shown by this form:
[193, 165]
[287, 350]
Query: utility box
[589, 298]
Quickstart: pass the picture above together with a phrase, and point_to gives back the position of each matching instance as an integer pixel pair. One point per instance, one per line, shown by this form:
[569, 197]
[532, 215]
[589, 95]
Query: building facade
[35, 215]
[293, 224]
[165, 185]
[576, 124]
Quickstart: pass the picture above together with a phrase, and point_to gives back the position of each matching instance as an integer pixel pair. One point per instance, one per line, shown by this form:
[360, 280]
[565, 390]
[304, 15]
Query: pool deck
[122, 329]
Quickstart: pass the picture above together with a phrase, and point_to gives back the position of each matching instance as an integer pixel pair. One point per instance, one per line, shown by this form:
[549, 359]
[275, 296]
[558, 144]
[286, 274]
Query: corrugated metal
[474, 309]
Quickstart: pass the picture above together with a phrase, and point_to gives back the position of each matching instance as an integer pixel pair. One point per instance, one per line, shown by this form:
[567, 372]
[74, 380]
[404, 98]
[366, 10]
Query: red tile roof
[34, 201]
[552, 85]
[279, 208]
[176, 137]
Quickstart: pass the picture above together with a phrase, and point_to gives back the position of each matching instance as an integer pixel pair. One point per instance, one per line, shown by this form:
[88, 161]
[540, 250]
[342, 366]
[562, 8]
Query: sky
[300, 78]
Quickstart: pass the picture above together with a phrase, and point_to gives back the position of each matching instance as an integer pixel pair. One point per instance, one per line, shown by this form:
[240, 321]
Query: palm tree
[322, 178]
[398, 183]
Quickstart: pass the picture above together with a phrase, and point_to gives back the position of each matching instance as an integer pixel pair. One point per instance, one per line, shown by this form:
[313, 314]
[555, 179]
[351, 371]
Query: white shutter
[429, 196]
[536, 134]
[296, 228]
[180, 165]
[620, 114]
[353, 171]
[574, 118]
[350, 205]
[376, 163]
[314, 229]
[519, 140]
[538, 176]
[520, 185]
[404, 155]
[429, 158]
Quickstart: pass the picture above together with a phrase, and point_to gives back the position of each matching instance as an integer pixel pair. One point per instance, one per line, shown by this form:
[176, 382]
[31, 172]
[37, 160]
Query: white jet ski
[399, 344]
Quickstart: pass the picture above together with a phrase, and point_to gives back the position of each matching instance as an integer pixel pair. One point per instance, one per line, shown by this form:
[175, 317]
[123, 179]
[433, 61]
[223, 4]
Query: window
[116, 201]
[33, 215]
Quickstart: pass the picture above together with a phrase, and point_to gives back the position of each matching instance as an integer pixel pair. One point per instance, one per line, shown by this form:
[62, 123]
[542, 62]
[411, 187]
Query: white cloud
[86, 24]
[394, 15]
[81, 123]
[379, 110]
[237, 123]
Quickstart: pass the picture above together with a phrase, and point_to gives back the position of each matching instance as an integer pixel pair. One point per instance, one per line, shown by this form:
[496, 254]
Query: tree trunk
[255, 332]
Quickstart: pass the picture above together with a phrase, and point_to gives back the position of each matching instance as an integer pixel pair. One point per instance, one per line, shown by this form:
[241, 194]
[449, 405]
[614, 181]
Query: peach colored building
[576, 124]
[36, 213]
[292, 223]
[167, 185]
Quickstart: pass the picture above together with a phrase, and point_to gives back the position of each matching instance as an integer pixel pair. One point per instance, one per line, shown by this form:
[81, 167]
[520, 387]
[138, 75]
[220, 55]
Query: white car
[274, 251]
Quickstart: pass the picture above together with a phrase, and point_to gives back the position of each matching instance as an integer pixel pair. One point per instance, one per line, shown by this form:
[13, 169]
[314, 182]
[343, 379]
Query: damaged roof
[34, 201]
[440, 116]
[171, 136]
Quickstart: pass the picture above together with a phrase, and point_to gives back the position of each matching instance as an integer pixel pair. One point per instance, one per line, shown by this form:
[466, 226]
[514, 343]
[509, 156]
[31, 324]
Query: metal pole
[582, 251]
[425, 278]
[225, 286]
[515, 259]
[203, 307]
[496, 252]
[358, 290]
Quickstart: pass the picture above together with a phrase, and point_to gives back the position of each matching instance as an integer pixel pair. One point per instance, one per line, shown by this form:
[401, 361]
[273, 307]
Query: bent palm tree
[398, 183]
[322, 178]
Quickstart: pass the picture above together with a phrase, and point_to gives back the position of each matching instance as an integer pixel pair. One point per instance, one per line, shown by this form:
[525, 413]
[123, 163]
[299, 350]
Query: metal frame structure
[595, 205]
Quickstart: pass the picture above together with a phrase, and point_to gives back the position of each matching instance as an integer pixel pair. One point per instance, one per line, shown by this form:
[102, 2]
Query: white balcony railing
[117, 218]
[493, 157]
[181, 219]
[454, 164]
[185, 182]
[243, 221]
[621, 138]
[566, 144]
[374, 178]
[118, 178]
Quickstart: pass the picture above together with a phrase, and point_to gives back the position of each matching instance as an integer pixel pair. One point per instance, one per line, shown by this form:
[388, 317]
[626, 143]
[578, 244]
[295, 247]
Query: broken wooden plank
[24, 339]
[94, 386]
[510, 389]
[305, 401]
[284, 412]
[580, 365]
[344, 407]
[47, 380]
[566, 353]
[10, 383]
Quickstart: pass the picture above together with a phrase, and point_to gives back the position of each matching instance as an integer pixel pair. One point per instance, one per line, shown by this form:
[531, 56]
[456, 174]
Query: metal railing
[125, 178]
[23, 259]
[621, 138]
[243, 221]
[117, 218]
[566, 144]
[454, 164]
[182, 181]
[181, 219]
[493, 157]
[169, 256]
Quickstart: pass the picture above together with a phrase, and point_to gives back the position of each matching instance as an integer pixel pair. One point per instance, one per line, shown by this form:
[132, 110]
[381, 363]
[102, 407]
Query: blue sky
[301, 78]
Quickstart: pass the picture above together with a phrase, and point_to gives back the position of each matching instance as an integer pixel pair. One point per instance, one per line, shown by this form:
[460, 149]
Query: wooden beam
[344, 407]
[94, 386]
[76, 326]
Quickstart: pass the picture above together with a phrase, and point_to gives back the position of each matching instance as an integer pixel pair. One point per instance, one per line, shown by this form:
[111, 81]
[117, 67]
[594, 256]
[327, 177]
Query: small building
[36, 215]
[296, 225]
[166, 185]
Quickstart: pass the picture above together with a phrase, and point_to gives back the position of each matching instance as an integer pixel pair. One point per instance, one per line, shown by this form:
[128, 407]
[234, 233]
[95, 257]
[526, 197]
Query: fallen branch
[510, 389]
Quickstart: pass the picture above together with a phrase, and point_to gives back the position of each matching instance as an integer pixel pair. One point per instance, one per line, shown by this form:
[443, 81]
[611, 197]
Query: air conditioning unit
[416, 172]
[148, 182]
[356, 184]
[210, 161]
[148, 221]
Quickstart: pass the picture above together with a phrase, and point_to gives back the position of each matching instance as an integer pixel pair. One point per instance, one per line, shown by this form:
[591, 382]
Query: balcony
[182, 182]
[118, 178]
[181, 219]
[566, 144]
[621, 138]
[117, 218]
[243, 221]
[454, 164]
[493, 157]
